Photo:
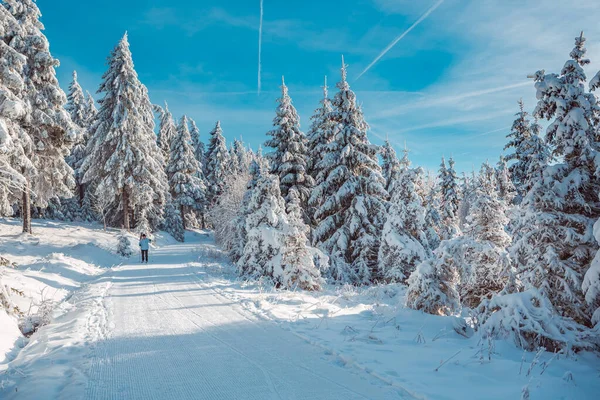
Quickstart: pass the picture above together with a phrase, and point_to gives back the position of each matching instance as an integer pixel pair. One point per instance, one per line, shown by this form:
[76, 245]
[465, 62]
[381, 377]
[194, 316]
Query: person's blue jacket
[145, 243]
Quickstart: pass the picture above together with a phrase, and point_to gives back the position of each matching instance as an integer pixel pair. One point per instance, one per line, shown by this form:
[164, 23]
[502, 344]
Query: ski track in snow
[161, 333]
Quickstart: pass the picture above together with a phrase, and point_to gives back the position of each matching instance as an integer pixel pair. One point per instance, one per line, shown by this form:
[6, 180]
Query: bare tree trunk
[182, 211]
[104, 220]
[26, 209]
[126, 210]
[81, 194]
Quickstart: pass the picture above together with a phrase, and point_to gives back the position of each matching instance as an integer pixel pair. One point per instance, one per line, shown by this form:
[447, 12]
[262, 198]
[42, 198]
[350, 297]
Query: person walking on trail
[144, 246]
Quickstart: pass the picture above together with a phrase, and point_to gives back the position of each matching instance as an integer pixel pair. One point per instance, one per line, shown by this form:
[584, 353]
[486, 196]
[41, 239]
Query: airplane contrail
[260, 28]
[399, 38]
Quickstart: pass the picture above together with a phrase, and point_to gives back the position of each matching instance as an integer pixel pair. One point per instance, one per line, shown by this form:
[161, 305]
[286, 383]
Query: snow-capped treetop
[391, 166]
[187, 189]
[77, 104]
[91, 111]
[166, 129]
[564, 99]
[290, 154]
[320, 134]
[217, 160]
[197, 144]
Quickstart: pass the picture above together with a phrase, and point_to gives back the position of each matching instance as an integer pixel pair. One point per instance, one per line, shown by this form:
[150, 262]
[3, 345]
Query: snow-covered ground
[184, 327]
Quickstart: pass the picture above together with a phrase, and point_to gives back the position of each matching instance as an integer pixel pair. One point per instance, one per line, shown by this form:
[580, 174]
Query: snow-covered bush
[124, 245]
[433, 286]
[530, 321]
[173, 224]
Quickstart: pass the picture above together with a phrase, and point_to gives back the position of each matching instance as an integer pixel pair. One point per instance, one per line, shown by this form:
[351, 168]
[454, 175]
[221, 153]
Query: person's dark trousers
[144, 255]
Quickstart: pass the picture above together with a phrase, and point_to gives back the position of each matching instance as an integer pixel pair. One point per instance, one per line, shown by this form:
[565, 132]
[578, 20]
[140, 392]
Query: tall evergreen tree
[390, 167]
[166, 130]
[506, 188]
[554, 244]
[352, 217]
[124, 159]
[320, 135]
[290, 154]
[48, 124]
[449, 198]
[217, 159]
[404, 242]
[186, 187]
[16, 146]
[197, 145]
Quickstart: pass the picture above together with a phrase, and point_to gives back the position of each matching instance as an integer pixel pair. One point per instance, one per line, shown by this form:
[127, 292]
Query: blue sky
[449, 87]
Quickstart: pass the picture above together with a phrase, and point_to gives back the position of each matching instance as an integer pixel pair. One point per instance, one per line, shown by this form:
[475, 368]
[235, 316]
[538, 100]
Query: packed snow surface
[183, 327]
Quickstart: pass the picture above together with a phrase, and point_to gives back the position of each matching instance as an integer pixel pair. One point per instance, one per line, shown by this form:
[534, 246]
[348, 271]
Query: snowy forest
[512, 247]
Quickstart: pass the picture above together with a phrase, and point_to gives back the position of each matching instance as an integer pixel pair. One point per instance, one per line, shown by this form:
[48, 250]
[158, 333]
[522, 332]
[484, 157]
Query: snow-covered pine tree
[239, 207]
[554, 246]
[591, 281]
[187, 189]
[433, 286]
[297, 259]
[16, 146]
[351, 218]
[390, 166]
[48, 124]
[319, 135]
[266, 217]
[173, 222]
[78, 108]
[197, 144]
[217, 160]
[166, 130]
[124, 245]
[487, 264]
[290, 153]
[124, 158]
[506, 188]
[450, 199]
[403, 241]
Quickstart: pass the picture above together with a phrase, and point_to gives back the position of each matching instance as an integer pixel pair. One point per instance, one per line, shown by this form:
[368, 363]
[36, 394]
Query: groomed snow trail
[172, 336]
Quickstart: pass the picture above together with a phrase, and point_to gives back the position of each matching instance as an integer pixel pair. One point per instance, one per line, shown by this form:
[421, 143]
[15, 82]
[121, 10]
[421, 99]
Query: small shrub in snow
[528, 319]
[124, 245]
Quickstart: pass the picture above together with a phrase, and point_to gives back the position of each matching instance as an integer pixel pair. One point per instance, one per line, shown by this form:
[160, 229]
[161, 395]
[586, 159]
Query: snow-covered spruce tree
[351, 218]
[390, 166]
[16, 146]
[240, 159]
[450, 199]
[47, 122]
[166, 130]
[124, 158]
[197, 144]
[78, 108]
[228, 215]
[433, 286]
[554, 246]
[506, 188]
[216, 159]
[290, 153]
[297, 259]
[487, 265]
[320, 134]
[591, 281]
[124, 245]
[187, 189]
[403, 241]
[266, 217]
[173, 222]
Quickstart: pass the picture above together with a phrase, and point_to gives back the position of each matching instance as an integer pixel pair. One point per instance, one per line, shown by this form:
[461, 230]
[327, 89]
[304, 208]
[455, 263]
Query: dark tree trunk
[81, 194]
[126, 210]
[182, 212]
[26, 209]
